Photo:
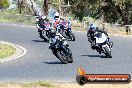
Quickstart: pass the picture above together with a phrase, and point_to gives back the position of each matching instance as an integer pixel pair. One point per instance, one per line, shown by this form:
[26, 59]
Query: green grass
[6, 51]
[39, 83]
[28, 85]
[13, 17]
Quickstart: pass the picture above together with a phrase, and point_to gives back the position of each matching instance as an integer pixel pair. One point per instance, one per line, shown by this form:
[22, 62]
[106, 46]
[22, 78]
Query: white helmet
[43, 17]
[56, 15]
[40, 15]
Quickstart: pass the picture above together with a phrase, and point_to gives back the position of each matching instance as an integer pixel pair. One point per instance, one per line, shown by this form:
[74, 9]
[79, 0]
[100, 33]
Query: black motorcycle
[60, 48]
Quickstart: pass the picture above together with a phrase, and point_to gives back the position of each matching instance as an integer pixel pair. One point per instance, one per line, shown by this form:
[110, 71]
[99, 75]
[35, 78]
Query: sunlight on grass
[38, 84]
[6, 50]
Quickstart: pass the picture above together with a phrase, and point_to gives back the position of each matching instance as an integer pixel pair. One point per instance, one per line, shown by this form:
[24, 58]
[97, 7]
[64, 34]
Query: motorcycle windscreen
[101, 39]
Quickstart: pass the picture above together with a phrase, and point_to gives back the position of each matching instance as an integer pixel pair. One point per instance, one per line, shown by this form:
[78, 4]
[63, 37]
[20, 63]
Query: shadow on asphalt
[39, 41]
[55, 62]
[101, 56]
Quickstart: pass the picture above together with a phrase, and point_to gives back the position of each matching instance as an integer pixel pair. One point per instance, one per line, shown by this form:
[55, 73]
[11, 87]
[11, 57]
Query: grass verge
[6, 50]
[42, 84]
[13, 16]
[39, 84]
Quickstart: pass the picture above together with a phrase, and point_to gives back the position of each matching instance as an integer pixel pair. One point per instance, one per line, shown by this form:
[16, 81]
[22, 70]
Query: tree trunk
[19, 6]
[45, 7]
[33, 8]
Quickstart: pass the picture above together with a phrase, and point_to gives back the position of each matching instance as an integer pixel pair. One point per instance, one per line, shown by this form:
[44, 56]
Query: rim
[63, 55]
[43, 32]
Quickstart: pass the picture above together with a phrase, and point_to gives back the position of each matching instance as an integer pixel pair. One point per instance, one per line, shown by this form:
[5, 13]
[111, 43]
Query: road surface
[39, 64]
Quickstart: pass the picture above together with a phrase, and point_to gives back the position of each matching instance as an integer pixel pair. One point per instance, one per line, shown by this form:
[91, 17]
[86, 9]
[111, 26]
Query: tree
[4, 4]
[27, 7]
[112, 11]
[46, 7]
[124, 8]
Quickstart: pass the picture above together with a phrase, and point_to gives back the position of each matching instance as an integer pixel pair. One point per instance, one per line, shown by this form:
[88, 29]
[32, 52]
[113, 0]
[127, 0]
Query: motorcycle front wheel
[72, 36]
[45, 35]
[107, 52]
[62, 56]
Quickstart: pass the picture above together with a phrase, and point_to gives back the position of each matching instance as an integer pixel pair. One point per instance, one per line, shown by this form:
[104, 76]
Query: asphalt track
[39, 64]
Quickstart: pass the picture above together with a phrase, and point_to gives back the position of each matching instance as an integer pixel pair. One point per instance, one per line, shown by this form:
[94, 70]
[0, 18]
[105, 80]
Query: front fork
[110, 43]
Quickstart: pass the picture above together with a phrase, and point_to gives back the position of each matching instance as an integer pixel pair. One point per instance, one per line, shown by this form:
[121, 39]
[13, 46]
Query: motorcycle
[102, 44]
[44, 33]
[60, 48]
[65, 30]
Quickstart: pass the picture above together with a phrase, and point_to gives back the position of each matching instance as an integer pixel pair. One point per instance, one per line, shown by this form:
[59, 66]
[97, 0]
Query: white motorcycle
[102, 44]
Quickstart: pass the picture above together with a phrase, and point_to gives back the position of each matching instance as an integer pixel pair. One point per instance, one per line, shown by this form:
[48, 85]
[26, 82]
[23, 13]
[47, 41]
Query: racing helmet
[52, 33]
[43, 17]
[40, 15]
[56, 15]
[92, 27]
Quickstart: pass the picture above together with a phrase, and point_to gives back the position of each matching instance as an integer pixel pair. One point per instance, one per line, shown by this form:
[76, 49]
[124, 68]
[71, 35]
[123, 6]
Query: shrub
[4, 4]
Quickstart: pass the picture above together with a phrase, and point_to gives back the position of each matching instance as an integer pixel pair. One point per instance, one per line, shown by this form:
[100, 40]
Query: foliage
[112, 11]
[13, 16]
[4, 4]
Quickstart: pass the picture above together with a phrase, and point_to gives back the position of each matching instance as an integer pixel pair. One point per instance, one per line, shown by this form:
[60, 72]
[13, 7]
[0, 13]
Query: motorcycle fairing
[101, 39]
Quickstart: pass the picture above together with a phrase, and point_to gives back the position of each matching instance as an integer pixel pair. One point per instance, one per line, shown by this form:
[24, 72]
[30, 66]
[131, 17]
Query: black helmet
[52, 33]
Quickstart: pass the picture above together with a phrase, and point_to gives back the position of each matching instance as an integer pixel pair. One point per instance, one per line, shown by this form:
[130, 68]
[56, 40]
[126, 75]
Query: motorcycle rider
[56, 17]
[92, 29]
[96, 30]
[54, 38]
[58, 44]
[90, 32]
[40, 21]
[56, 22]
[60, 21]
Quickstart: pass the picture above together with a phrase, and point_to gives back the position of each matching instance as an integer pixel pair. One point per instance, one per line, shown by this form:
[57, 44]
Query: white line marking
[24, 51]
